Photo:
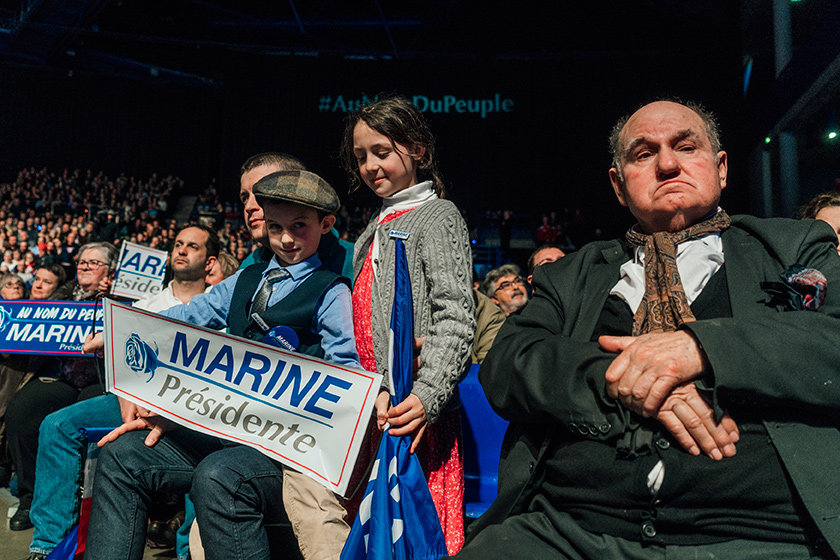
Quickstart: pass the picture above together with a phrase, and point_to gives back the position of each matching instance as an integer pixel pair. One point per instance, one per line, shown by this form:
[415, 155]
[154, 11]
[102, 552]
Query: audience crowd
[46, 216]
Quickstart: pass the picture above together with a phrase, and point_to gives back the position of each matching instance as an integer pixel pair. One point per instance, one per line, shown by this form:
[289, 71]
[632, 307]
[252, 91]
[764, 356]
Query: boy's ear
[327, 223]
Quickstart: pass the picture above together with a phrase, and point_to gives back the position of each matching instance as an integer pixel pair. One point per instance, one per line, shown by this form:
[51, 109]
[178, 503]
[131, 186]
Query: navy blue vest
[295, 311]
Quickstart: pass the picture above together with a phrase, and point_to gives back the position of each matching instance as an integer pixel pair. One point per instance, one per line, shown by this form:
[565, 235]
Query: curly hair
[111, 253]
[813, 206]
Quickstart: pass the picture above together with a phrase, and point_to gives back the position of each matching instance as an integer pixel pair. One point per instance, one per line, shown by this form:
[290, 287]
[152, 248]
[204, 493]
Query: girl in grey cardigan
[388, 145]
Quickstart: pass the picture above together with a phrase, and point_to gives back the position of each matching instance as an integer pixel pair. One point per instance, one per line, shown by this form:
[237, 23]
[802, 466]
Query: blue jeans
[55, 504]
[235, 491]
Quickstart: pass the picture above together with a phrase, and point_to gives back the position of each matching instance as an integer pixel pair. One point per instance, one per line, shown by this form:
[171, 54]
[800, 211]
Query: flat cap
[298, 187]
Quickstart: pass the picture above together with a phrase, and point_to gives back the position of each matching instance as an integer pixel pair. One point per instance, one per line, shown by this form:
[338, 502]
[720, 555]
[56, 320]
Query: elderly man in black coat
[673, 394]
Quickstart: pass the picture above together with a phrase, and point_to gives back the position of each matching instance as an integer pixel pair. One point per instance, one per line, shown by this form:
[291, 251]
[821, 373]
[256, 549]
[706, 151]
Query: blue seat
[483, 432]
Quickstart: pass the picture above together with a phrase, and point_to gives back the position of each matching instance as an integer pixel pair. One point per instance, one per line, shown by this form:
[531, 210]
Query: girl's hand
[408, 418]
[418, 345]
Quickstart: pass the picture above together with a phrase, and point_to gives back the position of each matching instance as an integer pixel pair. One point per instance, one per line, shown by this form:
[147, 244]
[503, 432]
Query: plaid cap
[298, 187]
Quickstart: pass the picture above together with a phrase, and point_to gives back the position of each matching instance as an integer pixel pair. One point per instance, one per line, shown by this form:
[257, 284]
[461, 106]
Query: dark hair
[285, 161]
[212, 245]
[403, 123]
[813, 206]
[708, 118]
[56, 269]
[533, 256]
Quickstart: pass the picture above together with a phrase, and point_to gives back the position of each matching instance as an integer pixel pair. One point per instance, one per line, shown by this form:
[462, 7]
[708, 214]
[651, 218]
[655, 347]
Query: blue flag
[397, 519]
[66, 549]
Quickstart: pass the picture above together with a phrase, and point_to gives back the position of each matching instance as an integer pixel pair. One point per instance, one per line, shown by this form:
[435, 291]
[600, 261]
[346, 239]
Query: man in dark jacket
[674, 394]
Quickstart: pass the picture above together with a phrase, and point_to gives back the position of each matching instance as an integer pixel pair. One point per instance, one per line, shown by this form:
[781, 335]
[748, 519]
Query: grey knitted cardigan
[440, 265]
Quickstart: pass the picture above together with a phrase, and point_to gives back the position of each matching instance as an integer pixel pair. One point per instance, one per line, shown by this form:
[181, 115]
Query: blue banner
[57, 328]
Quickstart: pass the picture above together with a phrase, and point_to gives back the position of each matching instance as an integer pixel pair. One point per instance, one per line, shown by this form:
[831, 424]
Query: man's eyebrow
[639, 140]
[684, 134]
[632, 145]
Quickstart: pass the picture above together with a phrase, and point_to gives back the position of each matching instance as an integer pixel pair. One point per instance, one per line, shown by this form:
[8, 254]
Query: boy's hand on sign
[380, 408]
[130, 411]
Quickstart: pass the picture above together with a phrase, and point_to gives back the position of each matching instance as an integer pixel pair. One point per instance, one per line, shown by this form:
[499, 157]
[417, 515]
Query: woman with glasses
[94, 273]
[12, 287]
[67, 381]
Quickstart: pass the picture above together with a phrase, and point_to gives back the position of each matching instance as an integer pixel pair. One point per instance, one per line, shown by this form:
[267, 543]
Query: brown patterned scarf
[664, 306]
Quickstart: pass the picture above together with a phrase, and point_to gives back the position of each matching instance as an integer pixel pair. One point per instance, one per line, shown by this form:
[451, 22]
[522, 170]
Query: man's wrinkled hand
[691, 420]
[648, 367]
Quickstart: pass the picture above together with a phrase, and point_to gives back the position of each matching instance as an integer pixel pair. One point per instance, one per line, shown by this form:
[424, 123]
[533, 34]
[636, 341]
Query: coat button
[648, 529]
[662, 443]
[583, 430]
[531, 467]
[604, 428]
[593, 430]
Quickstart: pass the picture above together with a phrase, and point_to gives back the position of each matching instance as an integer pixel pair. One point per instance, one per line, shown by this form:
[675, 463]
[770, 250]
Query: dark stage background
[548, 150]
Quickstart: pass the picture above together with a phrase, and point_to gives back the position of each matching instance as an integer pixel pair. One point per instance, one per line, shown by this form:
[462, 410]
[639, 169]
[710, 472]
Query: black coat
[544, 372]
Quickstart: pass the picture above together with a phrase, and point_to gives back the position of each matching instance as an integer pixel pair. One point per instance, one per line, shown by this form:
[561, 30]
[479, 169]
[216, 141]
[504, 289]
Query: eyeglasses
[91, 264]
[510, 283]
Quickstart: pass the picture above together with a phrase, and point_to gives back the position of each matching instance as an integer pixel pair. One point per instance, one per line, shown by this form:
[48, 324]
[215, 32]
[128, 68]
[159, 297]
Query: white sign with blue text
[306, 413]
[140, 271]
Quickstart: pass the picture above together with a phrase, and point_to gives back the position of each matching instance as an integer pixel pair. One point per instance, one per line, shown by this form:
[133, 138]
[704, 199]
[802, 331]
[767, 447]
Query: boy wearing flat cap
[236, 490]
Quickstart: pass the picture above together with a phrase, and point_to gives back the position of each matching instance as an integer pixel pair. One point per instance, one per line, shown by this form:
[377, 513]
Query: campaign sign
[306, 413]
[57, 328]
[140, 271]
